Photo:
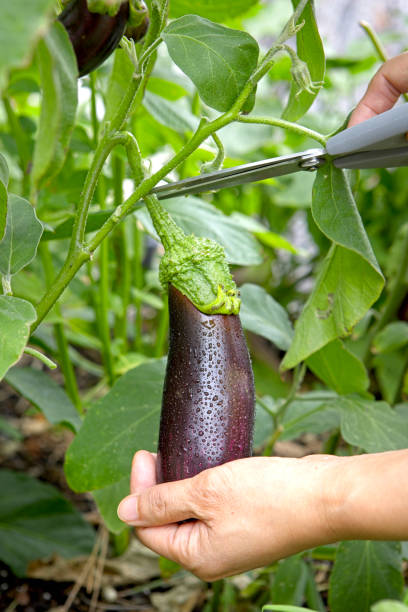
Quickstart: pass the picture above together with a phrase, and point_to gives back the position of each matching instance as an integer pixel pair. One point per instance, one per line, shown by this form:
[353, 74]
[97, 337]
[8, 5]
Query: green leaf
[114, 428]
[173, 114]
[373, 426]
[314, 413]
[363, 573]
[265, 236]
[44, 393]
[290, 581]
[216, 10]
[59, 72]
[310, 50]
[9, 430]
[389, 371]
[219, 60]
[37, 522]
[391, 338]
[350, 280]
[118, 84]
[404, 547]
[21, 238]
[22, 22]
[197, 217]
[107, 500]
[389, 605]
[16, 316]
[340, 369]
[262, 315]
[4, 176]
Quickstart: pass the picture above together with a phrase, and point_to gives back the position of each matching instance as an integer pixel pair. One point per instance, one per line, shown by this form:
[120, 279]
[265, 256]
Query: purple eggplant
[93, 36]
[208, 397]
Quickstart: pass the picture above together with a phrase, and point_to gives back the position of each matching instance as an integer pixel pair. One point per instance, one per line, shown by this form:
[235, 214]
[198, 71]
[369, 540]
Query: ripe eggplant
[208, 398]
[93, 36]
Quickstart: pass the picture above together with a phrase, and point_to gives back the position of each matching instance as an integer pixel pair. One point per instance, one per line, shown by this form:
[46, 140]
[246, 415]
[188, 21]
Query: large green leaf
[373, 426]
[4, 176]
[219, 60]
[59, 72]
[21, 23]
[107, 500]
[261, 314]
[16, 316]
[37, 522]
[363, 573]
[310, 50]
[197, 217]
[216, 10]
[290, 581]
[114, 428]
[349, 281]
[340, 369]
[42, 391]
[21, 238]
[310, 414]
[174, 114]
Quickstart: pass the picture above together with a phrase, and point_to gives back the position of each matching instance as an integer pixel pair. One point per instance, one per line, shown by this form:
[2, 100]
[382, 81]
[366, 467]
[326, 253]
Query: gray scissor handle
[385, 131]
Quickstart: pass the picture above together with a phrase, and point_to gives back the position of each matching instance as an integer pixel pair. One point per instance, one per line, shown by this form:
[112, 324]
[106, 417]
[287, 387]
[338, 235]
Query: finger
[384, 89]
[143, 473]
[159, 505]
[170, 541]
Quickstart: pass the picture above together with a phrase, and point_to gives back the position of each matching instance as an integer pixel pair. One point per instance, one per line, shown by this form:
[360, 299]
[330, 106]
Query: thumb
[160, 505]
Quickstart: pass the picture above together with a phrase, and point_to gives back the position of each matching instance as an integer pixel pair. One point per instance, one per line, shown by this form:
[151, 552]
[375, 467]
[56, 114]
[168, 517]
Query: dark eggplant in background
[208, 397]
[93, 36]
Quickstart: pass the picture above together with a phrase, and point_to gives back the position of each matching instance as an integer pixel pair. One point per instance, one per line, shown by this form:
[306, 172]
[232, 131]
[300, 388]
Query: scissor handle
[385, 131]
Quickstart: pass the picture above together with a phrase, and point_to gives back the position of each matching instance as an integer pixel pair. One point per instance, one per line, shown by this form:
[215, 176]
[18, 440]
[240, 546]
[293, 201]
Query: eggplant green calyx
[196, 266]
[105, 7]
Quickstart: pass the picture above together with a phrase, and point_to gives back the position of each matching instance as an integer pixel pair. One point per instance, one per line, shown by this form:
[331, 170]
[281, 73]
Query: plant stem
[377, 44]
[41, 357]
[298, 376]
[103, 297]
[287, 125]
[124, 270]
[162, 330]
[168, 231]
[59, 333]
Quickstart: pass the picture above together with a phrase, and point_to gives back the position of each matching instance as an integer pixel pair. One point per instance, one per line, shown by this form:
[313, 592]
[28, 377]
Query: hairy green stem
[287, 125]
[41, 357]
[377, 44]
[162, 329]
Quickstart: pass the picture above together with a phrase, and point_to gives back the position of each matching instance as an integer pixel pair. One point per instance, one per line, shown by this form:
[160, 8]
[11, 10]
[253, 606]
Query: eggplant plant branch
[79, 251]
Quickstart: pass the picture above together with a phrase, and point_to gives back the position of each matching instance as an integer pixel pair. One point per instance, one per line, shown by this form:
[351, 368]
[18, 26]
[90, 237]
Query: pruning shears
[379, 142]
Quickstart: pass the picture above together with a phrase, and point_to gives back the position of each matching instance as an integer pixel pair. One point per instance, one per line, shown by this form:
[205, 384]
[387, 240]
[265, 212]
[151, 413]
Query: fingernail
[127, 510]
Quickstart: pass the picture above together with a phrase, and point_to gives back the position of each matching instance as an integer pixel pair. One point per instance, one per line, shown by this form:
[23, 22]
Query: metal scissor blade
[246, 173]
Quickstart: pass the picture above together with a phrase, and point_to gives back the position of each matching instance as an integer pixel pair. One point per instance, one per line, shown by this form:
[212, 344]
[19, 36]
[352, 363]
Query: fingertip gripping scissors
[379, 142]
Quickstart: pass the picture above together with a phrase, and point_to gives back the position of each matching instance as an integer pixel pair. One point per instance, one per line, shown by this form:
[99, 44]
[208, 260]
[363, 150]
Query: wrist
[366, 497]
